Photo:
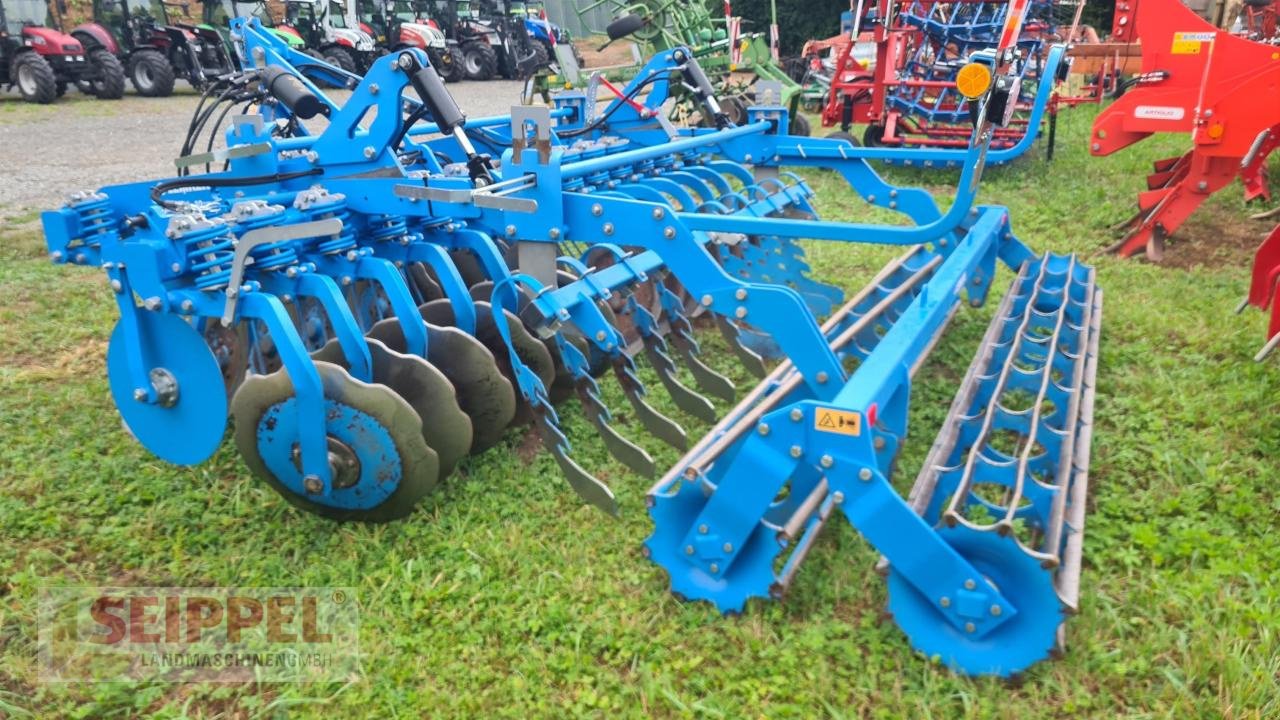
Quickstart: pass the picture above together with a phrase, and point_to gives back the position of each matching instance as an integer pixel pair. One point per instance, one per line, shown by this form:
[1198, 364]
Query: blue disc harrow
[371, 291]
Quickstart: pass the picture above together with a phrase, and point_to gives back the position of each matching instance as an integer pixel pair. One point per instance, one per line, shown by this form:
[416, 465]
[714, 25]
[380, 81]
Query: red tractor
[42, 62]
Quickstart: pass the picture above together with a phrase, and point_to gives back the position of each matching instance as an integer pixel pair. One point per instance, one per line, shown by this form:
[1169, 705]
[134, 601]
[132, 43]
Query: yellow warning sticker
[838, 421]
[1188, 43]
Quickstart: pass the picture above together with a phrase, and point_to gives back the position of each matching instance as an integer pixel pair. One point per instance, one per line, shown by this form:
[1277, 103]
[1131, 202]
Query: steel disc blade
[380, 463]
[468, 266]
[187, 429]
[528, 348]
[484, 394]
[230, 347]
[561, 387]
[423, 279]
[444, 426]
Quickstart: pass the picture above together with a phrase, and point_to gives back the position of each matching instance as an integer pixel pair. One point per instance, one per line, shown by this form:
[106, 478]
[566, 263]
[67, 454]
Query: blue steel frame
[620, 203]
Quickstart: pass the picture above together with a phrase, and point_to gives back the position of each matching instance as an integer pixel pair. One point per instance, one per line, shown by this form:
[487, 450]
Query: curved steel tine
[655, 422]
[753, 362]
[622, 449]
[655, 348]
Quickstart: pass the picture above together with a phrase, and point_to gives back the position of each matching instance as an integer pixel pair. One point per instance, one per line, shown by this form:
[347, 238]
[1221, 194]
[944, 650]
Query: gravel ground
[80, 143]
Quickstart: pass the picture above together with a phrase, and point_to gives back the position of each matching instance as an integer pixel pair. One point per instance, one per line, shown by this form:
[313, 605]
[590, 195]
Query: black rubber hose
[157, 192]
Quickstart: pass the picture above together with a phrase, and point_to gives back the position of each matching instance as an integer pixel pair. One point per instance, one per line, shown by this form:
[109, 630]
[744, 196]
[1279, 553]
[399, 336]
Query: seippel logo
[209, 634]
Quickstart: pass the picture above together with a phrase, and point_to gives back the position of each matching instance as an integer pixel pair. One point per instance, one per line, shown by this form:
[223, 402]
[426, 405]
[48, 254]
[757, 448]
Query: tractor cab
[324, 28]
[217, 15]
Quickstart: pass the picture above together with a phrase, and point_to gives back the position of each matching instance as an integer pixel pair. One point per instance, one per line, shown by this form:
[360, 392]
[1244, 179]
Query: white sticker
[1159, 112]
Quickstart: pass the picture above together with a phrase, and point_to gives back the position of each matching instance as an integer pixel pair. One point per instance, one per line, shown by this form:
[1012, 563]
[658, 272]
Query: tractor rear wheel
[800, 125]
[151, 74]
[479, 61]
[35, 78]
[455, 67]
[541, 57]
[109, 82]
[340, 57]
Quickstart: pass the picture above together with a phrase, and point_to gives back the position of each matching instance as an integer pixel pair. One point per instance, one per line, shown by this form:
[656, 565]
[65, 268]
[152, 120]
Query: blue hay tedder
[372, 298]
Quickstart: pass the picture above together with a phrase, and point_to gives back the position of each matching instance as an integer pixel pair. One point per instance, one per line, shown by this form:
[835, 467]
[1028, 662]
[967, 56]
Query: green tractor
[217, 16]
[734, 61]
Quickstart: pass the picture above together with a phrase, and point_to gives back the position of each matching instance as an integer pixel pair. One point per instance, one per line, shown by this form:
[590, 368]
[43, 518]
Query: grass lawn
[504, 596]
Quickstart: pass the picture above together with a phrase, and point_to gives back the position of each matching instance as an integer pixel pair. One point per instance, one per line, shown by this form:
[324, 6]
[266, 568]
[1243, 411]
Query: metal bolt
[822, 376]
[115, 285]
[608, 228]
[187, 306]
[826, 461]
[152, 303]
[669, 232]
[864, 474]
[879, 443]
[728, 547]
[893, 204]
[511, 230]
[553, 233]
[747, 157]
[659, 213]
[715, 568]
[1095, 147]
[741, 294]
[140, 395]
[313, 484]
[369, 152]
[703, 529]
[373, 89]
[740, 313]
[969, 627]
[600, 335]
[970, 584]
[597, 210]
[796, 451]
[942, 242]
[945, 602]
[1202, 186]
[837, 497]
[176, 267]
[797, 414]
[996, 610]
[763, 428]
[706, 300]
[871, 198]
[688, 549]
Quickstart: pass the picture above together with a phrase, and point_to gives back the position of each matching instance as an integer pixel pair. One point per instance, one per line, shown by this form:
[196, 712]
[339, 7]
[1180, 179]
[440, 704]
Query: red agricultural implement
[1221, 88]
[1262, 290]
[907, 95]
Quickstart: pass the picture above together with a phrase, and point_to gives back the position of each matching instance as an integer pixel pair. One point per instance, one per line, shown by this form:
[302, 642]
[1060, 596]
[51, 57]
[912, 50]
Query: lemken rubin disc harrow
[373, 298]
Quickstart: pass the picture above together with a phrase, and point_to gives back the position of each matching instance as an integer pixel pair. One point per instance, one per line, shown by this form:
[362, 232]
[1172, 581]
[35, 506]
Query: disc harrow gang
[372, 299]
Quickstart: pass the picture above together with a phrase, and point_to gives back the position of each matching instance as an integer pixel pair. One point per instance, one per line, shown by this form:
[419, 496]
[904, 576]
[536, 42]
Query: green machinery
[734, 61]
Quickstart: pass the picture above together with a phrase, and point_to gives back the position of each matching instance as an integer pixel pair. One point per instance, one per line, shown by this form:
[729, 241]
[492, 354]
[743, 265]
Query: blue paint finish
[380, 471]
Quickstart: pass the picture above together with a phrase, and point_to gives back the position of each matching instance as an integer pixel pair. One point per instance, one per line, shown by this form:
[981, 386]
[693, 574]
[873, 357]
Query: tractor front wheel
[108, 83]
[35, 78]
[151, 74]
